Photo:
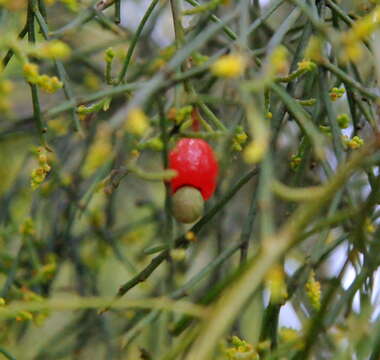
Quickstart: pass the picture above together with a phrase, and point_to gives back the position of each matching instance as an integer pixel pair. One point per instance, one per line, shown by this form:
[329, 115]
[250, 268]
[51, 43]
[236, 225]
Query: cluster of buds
[343, 121]
[304, 67]
[229, 66]
[241, 350]
[239, 139]
[355, 143]
[49, 84]
[180, 115]
[313, 291]
[39, 174]
[336, 93]
[275, 283]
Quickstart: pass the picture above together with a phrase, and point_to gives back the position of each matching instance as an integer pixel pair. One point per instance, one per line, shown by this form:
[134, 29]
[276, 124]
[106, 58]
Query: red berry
[196, 165]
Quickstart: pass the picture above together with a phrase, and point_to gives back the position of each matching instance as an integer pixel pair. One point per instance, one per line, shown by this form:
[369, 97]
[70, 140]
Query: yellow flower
[137, 122]
[369, 226]
[314, 50]
[336, 93]
[241, 350]
[275, 282]
[49, 84]
[355, 143]
[313, 291]
[190, 236]
[306, 65]
[291, 337]
[54, 49]
[278, 60]
[31, 72]
[229, 66]
[255, 151]
[109, 55]
[39, 174]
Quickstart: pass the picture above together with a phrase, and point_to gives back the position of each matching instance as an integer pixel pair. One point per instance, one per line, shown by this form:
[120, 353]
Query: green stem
[135, 40]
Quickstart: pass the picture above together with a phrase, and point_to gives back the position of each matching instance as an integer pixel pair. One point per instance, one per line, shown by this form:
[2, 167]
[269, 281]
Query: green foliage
[92, 261]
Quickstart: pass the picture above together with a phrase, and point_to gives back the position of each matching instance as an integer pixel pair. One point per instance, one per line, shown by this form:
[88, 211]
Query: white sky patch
[288, 317]
[132, 13]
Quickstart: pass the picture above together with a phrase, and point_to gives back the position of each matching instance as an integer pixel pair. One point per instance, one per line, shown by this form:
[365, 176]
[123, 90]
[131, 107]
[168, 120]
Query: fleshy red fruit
[195, 162]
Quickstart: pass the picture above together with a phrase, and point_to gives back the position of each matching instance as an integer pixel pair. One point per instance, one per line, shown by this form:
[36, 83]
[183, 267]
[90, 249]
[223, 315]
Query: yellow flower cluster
[99, 152]
[361, 30]
[241, 350]
[109, 55]
[229, 66]
[275, 283]
[239, 139]
[313, 291]
[45, 82]
[314, 49]
[54, 49]
[306, 65]
[291, 337]
[355, 143]
[39, 174]
[137, 123]
[336, 93]
[181, 114]
[278, 60]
